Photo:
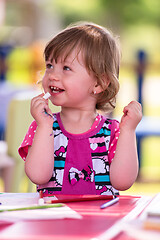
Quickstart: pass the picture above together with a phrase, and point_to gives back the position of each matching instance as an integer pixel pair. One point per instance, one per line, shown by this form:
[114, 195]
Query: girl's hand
[132, 116]
[40, 110]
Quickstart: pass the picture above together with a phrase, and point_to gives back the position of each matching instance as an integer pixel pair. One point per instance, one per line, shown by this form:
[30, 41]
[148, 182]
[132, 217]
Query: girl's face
[69, 83]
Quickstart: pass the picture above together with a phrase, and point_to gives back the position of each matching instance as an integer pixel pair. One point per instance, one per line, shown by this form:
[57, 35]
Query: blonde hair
[101, 55]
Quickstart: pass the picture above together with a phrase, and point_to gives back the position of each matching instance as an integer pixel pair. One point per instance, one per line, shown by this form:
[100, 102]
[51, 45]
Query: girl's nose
[54, 74]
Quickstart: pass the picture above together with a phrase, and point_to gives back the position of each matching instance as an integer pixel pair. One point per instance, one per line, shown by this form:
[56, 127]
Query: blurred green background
[26, 26]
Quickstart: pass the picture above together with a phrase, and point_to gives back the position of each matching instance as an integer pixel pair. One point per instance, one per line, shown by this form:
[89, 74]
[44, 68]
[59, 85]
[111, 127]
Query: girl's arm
[124, 167]
[40, 159]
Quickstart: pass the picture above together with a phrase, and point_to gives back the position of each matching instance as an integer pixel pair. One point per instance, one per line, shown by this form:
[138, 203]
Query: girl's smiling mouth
[56, 89]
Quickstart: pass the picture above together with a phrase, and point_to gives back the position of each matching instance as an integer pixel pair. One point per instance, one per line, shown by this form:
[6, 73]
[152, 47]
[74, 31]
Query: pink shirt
[81, 161]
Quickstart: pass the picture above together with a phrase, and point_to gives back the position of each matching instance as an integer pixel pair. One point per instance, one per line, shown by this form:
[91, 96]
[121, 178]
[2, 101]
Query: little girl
[79, 151]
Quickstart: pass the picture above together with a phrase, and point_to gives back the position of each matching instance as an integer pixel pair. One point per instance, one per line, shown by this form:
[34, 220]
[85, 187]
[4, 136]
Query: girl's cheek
[44, 82]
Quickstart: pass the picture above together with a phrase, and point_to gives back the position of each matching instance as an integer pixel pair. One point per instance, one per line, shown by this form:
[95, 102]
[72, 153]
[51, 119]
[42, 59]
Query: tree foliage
[118, 13]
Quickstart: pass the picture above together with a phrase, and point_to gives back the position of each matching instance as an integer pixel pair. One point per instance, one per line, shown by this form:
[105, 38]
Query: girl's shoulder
[113, 126]
[28, 139]
[112, 123]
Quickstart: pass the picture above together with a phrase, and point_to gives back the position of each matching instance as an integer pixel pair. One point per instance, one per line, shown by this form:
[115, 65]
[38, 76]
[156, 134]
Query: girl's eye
[66, 68]
[49, 66]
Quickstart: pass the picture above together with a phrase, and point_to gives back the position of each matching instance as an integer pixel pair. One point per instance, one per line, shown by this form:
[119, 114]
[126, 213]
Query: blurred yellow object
[19, 119]
[26, 64]
[19, 63]
[38, 63]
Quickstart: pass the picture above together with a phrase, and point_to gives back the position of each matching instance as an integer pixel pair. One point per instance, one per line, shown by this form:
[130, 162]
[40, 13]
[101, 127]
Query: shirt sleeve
[115, 131]
[23, 149]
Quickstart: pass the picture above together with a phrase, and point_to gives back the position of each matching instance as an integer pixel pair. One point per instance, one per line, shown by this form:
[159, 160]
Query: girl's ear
[103, 86]
[98, 89]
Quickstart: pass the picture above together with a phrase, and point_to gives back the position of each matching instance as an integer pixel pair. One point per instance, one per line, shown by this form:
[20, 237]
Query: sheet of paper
[21, 198]
[18, 198]
[11, 200]
[40, 214]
